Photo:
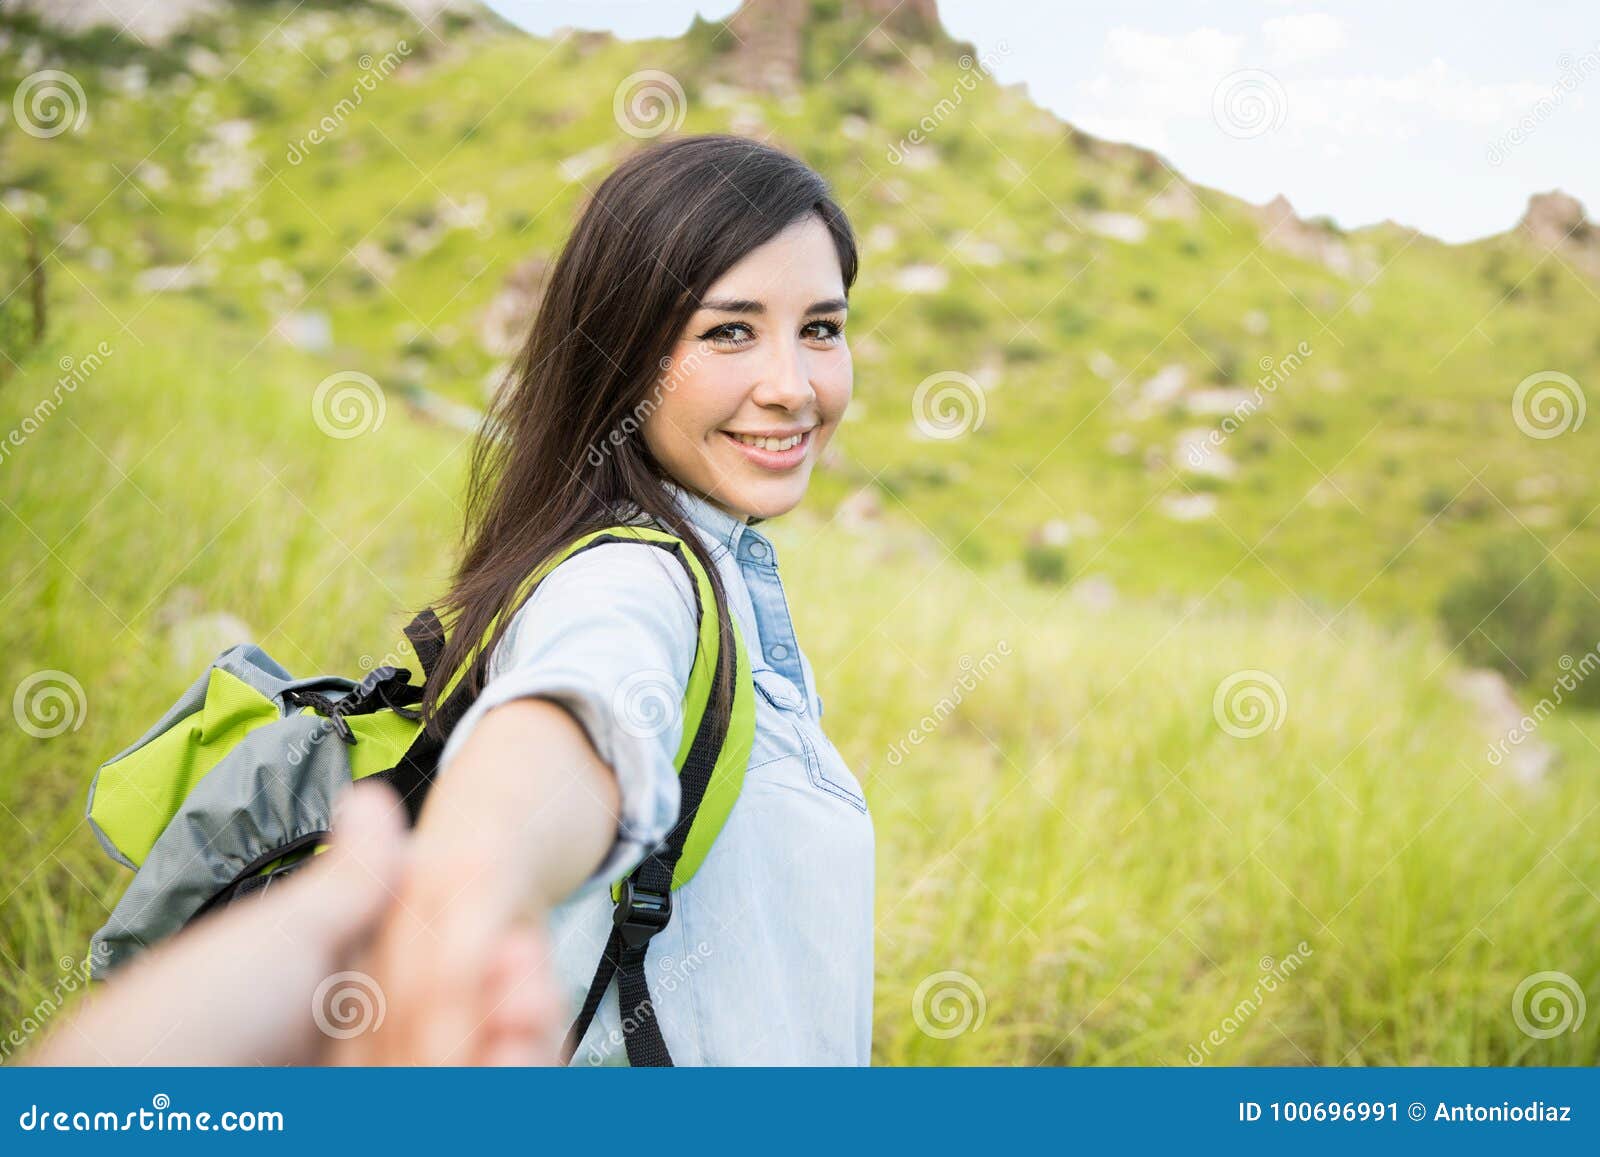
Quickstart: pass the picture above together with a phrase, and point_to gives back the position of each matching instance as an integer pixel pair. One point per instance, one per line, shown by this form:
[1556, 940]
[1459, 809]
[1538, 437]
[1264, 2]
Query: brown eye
[824, 331]
[731, 333]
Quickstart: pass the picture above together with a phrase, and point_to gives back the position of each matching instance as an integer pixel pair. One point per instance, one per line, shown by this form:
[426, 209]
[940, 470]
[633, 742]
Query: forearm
[525, 814]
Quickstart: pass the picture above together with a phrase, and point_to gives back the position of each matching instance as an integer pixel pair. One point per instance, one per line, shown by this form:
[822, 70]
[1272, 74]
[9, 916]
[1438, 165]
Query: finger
[523, 1015]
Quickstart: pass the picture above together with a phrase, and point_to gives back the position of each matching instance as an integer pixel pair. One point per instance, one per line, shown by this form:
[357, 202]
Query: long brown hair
[560, 445]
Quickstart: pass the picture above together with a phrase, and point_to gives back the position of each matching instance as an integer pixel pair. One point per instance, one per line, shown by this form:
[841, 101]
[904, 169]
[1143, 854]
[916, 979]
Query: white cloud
[1302, 36]
[1149, 78]
[1406, 105]
[1152, 82]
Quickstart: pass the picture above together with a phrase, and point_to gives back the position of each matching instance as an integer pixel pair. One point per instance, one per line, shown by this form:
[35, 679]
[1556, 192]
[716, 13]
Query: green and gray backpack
[234, 787]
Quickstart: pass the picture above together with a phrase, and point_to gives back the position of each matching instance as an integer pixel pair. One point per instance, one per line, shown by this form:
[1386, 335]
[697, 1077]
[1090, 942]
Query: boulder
[1189, 507]
[1529, 758]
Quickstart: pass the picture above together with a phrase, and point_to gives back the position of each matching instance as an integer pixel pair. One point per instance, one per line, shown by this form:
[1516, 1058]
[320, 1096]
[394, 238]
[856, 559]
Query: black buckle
[383, 687]
[380, 688]
[641, 914]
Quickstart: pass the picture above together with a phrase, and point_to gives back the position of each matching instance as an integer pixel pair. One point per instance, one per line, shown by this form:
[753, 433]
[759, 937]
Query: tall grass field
[1171, 760]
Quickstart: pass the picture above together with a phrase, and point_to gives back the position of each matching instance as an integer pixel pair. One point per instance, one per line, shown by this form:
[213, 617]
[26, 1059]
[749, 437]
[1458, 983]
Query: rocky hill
[1148, 386]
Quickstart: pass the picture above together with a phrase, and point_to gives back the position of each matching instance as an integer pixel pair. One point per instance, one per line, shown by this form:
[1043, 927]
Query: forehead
[800, 264]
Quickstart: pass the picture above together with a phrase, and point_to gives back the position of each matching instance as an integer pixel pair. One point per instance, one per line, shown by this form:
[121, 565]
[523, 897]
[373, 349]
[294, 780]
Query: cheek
[834, 385]
[690, 408]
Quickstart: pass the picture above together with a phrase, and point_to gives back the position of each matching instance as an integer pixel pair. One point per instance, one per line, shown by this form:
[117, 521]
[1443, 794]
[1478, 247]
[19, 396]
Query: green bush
[1045, 564]
[1577, 633]
[1501, 612]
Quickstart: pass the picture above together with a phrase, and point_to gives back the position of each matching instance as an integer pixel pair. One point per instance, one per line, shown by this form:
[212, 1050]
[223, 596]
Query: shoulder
[636, 570]
[616, 590]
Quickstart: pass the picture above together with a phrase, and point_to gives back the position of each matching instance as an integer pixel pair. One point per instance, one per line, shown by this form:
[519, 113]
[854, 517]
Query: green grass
[1109, 867]
[1404, 401]
[1078, 838]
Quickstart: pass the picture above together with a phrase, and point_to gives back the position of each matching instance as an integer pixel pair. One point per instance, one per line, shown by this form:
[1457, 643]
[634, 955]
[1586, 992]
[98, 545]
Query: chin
[768, 499]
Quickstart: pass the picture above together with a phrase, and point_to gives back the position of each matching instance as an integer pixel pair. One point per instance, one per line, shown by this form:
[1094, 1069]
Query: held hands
[460, 989]
[330, 966]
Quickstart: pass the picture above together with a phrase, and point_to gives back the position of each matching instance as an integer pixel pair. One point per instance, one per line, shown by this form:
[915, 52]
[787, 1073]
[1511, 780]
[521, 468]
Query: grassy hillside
[1386, 454]
[1076, 846]
[1071, 844]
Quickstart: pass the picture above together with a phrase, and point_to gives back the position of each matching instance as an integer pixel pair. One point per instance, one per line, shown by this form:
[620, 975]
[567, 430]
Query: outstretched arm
[281, 973]
[496, 847]
[560, 776]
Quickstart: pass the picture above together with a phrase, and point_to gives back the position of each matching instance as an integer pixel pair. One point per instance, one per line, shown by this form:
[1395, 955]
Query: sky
[1445, 117]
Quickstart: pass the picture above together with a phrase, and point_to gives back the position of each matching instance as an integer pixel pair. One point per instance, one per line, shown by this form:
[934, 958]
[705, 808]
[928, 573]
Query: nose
[786, 380]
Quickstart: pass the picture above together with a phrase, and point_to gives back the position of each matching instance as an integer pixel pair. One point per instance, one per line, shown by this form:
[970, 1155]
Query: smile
[772, 452]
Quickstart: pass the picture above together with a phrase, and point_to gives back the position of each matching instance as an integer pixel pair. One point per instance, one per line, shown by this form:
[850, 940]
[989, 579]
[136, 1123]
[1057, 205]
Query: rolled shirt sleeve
[610, 635]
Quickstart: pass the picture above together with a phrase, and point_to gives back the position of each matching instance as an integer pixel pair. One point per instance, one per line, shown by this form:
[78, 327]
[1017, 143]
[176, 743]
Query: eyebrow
[745, 305]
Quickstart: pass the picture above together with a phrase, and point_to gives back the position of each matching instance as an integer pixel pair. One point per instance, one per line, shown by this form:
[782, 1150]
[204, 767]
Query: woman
[688, 364]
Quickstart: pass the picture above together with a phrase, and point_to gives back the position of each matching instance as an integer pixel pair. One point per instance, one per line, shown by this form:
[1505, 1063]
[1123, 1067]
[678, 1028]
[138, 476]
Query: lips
[766, 453]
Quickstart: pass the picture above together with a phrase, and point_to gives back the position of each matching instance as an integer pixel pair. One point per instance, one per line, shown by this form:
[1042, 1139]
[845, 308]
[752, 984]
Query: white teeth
[771, 443]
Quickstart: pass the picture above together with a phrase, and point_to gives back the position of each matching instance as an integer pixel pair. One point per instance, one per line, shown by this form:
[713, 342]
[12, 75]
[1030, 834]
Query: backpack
[234, 786]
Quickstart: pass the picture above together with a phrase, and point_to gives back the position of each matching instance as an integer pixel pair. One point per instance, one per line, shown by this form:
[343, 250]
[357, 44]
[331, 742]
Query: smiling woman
[758, 398]
[687, 367]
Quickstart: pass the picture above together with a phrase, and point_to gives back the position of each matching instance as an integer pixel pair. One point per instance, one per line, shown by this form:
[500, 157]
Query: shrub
[1045, 564]
[1501, 611]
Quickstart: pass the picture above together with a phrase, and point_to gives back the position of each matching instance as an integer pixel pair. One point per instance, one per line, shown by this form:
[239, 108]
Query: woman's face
[759, 378]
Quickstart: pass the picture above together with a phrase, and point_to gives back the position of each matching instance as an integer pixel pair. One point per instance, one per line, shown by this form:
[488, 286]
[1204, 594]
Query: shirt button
[777, 652]
[758, 550]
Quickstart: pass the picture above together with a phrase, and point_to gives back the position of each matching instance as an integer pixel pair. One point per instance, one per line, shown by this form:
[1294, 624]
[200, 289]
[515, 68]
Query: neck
[725, 508]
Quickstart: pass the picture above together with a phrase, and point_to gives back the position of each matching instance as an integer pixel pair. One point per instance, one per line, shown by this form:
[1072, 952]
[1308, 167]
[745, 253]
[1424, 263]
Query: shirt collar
[717, 524]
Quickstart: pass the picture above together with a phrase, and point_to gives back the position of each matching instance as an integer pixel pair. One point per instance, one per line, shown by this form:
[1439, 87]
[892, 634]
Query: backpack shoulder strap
[710, 773]
[711, 761]
[715, 750]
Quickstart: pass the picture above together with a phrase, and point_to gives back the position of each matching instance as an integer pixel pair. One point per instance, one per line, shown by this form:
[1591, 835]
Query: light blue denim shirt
[768, 957]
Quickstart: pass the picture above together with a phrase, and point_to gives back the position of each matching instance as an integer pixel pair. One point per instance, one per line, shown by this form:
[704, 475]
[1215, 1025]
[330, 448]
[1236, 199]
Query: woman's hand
[276, 979]
[450, 968]
[523, 815]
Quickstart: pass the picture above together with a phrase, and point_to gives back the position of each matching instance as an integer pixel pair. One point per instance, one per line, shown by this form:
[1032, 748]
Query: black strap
[645, 904]
[412, 777]
[427, 640]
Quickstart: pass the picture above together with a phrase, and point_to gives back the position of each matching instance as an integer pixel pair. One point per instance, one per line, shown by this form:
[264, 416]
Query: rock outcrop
[1555, 221]
[770, 34]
